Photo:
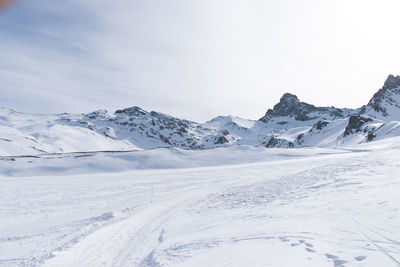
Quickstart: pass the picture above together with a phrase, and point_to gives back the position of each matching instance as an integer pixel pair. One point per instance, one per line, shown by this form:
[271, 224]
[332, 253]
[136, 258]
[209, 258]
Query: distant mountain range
[291, 123]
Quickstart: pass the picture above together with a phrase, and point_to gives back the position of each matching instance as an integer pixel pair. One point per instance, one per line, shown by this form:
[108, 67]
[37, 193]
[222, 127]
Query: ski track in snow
[332, 210]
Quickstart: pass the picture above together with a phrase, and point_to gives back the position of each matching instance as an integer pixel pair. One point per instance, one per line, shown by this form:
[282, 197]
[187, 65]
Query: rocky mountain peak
[392, 82]
[132, 111]
[290, 106]
[289, 98]
[386, 101]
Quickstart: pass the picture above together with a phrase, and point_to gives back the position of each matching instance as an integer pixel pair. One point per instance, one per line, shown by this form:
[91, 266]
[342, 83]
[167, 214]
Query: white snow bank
[162, 158]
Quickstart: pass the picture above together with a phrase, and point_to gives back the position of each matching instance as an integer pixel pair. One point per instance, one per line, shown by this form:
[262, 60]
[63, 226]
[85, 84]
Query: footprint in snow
[360, 258]
[339, 263]
[309, 245]
[310, 250]
[330, 256]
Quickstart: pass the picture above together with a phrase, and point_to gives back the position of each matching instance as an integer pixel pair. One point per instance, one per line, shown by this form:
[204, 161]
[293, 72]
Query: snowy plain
[234, 206]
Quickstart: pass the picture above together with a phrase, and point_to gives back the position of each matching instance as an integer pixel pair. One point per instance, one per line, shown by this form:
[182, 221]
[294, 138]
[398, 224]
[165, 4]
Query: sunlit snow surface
[261, 207]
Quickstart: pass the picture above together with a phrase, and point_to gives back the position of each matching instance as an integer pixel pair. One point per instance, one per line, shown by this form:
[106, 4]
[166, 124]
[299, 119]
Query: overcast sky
[195, 59]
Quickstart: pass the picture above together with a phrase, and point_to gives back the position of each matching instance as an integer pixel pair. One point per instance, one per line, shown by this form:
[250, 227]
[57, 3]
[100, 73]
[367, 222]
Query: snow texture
[303, 186]
[293, 207]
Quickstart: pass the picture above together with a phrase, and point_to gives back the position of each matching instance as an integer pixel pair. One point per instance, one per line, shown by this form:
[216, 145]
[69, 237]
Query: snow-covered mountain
[25, 134]
[290, 123]
[385, 104]
[290, 106]
[147, 130]
[240, 204]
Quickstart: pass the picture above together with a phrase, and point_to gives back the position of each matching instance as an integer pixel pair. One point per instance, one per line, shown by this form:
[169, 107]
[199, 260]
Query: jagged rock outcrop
[355, 124]
[319, 125]
[385, 104]
[220, 140]
[278, 143]
[290, 106]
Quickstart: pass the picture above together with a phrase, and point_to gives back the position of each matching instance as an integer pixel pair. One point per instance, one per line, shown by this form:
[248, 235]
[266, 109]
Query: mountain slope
[385, 104]
[25, 134]
[291, 123]
[151, 129]
[290, 106]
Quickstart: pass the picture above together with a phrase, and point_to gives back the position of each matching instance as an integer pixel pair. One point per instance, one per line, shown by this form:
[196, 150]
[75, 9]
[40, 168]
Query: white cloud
[194, 59]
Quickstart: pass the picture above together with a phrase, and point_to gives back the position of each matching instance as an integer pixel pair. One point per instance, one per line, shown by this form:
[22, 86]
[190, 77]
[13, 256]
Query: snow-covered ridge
[290, 105]
[291, 123]
[385, 104]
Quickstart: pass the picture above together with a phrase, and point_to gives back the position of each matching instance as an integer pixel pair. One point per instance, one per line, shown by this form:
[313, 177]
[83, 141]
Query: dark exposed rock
[319, 125]
[392, 82]
[355, 124]
[300, 139]
[277, 142]
[132, 111]
[384, 95]
[290, 105]
[282, 122]
[370, 136]
[164, 139]
[220, 140]
[372, 132]
[182, 130]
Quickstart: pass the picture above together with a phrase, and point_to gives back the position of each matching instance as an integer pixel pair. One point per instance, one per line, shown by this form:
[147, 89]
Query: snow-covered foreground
[299, 209]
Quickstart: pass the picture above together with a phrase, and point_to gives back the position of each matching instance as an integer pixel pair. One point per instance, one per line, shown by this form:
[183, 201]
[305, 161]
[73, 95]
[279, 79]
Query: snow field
[298, 209]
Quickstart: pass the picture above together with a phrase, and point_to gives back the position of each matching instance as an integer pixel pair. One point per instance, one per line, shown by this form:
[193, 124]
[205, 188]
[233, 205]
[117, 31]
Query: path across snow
[323, 210]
